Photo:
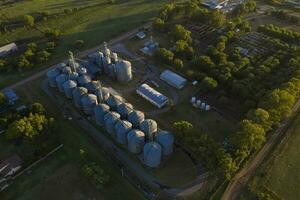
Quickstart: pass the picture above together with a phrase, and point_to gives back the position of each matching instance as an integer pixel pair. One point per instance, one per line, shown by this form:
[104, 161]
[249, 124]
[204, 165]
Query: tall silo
[93, 86]
[166, 140]
[123, 71]
[102, 94]
[135, 141]
[110, 120]
[89, 101]
[100, 111]
[114, 57]
[99, 59]
[107, 51]
[84, 80]
[112, 70]
[136, 117]
[60, 79]
[121, 130]
[82, 71]
[69, 87]
[67, 70]
[149, 127]
[106, 63]
[78, 94]
[61, 66]
[114, 101]
[124, 109]
[152, 154]
[52, 74]
[73, 76]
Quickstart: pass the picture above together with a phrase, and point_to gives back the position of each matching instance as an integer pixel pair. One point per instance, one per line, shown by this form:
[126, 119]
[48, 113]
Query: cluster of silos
[111, 65]
[197, 103]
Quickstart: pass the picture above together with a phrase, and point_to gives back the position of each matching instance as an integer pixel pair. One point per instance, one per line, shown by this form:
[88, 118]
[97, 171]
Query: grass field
[97, 21]
[280, 176]
[59, 177]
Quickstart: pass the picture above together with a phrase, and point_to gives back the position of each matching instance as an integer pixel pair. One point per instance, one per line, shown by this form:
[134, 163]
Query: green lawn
[59, 177]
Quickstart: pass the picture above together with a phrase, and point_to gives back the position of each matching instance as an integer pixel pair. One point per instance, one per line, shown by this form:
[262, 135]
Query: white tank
[69, 86]
[100, 111]
[152, 154]
[203, 105]
[193, 100]
[199, 103]
[135, 141]
[166, 140]
[110, 120]
[78, 94]
[121, 130]
[89, 101]
[123, 71]
[207, 107]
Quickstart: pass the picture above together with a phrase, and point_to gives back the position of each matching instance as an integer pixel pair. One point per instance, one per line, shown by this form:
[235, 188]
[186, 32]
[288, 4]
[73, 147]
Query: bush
[178, 64]
[79, 44]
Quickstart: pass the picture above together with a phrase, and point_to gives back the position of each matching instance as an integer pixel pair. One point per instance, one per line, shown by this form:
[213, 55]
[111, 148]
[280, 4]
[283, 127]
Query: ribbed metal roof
[152, 95]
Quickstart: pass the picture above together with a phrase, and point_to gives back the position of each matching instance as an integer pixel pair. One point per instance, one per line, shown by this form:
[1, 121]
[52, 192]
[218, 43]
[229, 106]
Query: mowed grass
[59, 177]
[96, 22]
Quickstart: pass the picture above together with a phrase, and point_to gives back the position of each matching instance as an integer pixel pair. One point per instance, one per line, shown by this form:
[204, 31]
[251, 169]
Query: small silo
[106, 50]
[136, 118]
[102, 94]
[149, 127]
[121, 130]
[84, 80]
[77, 95]
[52, 74]
[67, 70]
[166, 140]
[93, 86]
[89, 101]
[135, 141]
[73, 76]
[114, 57]
[124, 109]
[123, 71]
[99, 59]
[60, 79]
[69, 86]
[61, 66]
[100, 111]
[110, 120]
[112, 70]
[114, 101]
[152, 154]
[82, 71]
[106, 63]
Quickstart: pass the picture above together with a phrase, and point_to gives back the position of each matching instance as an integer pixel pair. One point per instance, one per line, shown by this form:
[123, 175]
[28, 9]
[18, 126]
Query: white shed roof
[173, 79]
[4, 50]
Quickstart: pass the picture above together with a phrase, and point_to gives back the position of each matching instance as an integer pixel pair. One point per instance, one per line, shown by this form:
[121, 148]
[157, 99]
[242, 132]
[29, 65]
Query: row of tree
[244, 8]
[281, 33]
[284, 15]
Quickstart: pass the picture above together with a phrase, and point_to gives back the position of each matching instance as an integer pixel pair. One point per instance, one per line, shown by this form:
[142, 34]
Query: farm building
[173, 79]
[215, 4]
[11, 96]
[141, 35]
[151, 95]
[150, 47]
[10, 166]
[8, 49]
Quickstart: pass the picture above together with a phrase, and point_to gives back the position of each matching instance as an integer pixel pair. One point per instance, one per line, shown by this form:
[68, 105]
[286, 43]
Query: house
[215, 4]
[141, 35]
[8, 49]
[173, 79]
[11, 96]
[151, 95]
[10, 166]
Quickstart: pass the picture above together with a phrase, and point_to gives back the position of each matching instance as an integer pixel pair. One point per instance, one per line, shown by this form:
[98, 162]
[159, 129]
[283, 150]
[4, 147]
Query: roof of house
[152, 95]
[7, 164]
[141, 35]
[7, 48]
[173, 79]
[10, 95]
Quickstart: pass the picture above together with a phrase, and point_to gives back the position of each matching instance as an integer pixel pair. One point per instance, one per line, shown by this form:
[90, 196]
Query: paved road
[242, 177]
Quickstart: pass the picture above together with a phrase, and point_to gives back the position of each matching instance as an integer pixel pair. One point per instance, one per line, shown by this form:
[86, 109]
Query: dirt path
[242, 177]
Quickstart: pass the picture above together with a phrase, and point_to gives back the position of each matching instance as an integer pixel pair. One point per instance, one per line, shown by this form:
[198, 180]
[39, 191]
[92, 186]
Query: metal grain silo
[110, 120]
[123, 71]
[60, 79]
[73, 76]
[112, 70]
[106, 63]
[114, 101]
[121, 130]
[102, 94]
[100, 111]
[84, 80]
[166, 140]
[61, 66]
[78, 94]
[136, 117]
[99, 59]
[89, 101]
[82, 71]
[93, 86]
[67, 70]
[149, 127]
[69, 87]
[152, 154]
[124, 109]
[52, 74]
[135, 141]
[114, 57]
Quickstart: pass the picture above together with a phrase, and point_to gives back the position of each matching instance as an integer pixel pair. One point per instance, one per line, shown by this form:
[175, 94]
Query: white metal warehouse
[173, 79]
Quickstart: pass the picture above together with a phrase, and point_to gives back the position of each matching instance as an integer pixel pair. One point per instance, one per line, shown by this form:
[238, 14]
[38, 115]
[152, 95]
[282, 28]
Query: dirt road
[241, 178]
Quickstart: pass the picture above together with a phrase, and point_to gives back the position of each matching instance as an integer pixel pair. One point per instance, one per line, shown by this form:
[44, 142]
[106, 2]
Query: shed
[8, 49]
[11, 96]
[173, 79]
[151, 95]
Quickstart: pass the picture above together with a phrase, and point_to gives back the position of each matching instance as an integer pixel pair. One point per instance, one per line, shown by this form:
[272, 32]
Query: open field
[94, 22]
[43, 181]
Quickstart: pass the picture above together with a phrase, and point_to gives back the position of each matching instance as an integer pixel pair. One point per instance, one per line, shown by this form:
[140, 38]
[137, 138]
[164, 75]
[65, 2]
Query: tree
[24, 62]
[159, 24]
[53, 34]
[178, 63]
[28, 20]
[43, 56]
[208, 84]
[260, 116]
[164, 55]
[180, 33]
[37, 108]
[2, 99]
[96, 175]
[182, 128]
[50, 45]
[3, 64]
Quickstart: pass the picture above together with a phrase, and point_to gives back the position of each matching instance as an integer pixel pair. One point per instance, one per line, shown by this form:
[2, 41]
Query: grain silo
[102, 94]
[106, 50]
[100, 111]
[99, 59]
[61, 66]
[52, 74]
[73, 76]
[152, 154]
[110, 120]
[60, 79]
[135, 118]
[114, 101]
[112, 70]
[89, 101]
[67, 70]
[123, 71]
[121, 130]
[93, 86]
[135, 141]
[166, 140]
[77, 95]
[149, 127]
[69, 87]
[114, 57]
[84, 80]
[106, 63]
[82, 71]
[124, 109]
